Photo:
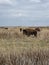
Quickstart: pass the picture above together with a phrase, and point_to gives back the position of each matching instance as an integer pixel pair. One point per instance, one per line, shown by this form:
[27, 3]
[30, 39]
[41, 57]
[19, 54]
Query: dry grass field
[19, 49]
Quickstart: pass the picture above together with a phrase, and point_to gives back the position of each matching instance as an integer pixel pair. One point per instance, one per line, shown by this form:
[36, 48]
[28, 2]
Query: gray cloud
[24, 9]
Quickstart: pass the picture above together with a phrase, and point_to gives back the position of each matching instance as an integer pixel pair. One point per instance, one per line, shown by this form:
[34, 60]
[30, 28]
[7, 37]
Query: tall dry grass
[14, 32]
[27, 57]
[17, 49]
[9, 33]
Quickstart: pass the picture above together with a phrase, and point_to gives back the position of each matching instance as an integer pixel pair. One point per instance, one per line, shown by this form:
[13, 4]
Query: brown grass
[18, 49]
[27, 57]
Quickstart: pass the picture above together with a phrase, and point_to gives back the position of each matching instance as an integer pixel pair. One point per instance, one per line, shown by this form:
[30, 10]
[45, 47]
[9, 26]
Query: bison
[38, 29]
[20, 29]
[29, 32]
[5, 28]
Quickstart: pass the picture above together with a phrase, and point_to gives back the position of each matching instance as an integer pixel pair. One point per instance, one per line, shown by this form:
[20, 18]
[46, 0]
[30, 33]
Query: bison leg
[28, 34]
[35, 33]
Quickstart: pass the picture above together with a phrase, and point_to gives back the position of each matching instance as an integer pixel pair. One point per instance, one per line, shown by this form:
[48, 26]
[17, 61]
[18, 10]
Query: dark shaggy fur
[20, 29]
[29, 32]
[5, 28]
[38, 29]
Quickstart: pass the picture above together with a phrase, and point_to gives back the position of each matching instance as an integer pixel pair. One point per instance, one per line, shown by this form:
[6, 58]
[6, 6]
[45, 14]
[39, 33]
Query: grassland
[18, 49]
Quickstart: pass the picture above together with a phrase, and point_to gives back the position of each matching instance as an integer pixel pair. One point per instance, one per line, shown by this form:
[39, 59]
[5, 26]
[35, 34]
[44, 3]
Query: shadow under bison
[29, 32]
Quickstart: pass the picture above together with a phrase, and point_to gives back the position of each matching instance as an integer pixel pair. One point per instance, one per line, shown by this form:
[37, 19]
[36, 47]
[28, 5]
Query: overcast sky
[24, 12]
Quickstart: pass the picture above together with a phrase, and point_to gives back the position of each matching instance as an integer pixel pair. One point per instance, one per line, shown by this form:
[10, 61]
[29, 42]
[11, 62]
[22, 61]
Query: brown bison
[38, 29]
[5, 28]
[29, 32]
[20, 29]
